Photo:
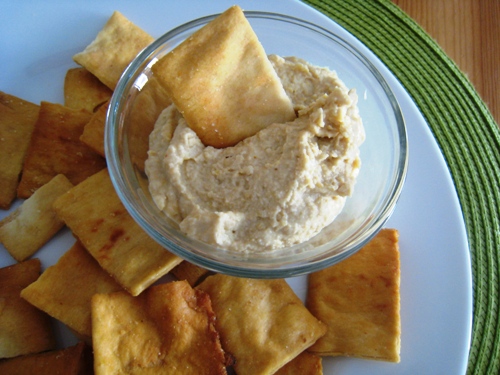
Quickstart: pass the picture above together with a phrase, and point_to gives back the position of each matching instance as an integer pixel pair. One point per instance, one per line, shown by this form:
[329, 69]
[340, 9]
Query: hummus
[275, 189]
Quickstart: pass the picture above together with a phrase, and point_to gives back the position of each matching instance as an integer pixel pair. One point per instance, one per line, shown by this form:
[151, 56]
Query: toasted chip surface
[35, 222]
[93, 132]
[17, 121]
[95, 214]
[168, 329]
[55, 148]
[114, 47]
[241, 93]
[54, 291]
[75, 360]
[150, 102]
[23, 328]
[359, 301]
[262, 323]
[304, 364]
[82, 90]
[190, 272]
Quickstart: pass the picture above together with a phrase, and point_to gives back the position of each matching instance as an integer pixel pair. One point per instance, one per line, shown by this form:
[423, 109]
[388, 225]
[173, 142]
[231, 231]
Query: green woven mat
[467, 135]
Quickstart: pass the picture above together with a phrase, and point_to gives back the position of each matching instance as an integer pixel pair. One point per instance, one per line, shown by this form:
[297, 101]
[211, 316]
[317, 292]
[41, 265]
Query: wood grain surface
[469, 32]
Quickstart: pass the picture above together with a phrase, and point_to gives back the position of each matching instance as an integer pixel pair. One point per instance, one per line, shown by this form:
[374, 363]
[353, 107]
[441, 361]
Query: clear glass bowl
[384, 154]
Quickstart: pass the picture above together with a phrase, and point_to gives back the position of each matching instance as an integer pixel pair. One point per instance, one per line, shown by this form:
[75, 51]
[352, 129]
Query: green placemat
[467, 135]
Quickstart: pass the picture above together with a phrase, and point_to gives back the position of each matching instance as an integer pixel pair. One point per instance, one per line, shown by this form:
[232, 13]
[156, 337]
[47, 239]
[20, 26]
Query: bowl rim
[112, 152]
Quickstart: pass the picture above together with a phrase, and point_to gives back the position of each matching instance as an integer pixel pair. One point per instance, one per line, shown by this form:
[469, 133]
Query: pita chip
[82, 90]
[168, 329]
[34, 222]
[114, 47]
[97, 217]
[55, 148]
[359, 301]
[75, 360]
[304, 363]
[24, 328]
[262, 323]
[17, 121]
[190, 272]
[222, 82]
[93, 132]
[149, 104]
[54, 291]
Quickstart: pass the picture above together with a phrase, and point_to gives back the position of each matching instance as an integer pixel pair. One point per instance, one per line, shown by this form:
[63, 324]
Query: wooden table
[469, 32]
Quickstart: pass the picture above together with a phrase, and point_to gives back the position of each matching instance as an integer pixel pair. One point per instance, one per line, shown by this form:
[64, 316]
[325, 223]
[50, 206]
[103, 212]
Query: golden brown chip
[359, 301]
[93, 132]
[56, 148]
[35, 222]
[95, 214]
[82, 90]
[75, 360]
[190, 272]
[150, 102]
[17, 121]
[54, 291]
[168, 329]
[262, 323]
[23, 328]
[304, 364]
[241, 93]
[114, 47]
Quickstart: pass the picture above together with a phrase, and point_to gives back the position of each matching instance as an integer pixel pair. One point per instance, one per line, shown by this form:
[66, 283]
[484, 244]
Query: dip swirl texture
[275, 189]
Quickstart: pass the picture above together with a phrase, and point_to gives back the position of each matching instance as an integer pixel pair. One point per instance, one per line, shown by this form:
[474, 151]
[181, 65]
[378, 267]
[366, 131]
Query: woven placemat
[467, 135]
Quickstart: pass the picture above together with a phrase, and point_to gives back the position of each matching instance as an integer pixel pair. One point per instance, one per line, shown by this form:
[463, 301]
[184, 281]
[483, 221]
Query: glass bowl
[136, 104]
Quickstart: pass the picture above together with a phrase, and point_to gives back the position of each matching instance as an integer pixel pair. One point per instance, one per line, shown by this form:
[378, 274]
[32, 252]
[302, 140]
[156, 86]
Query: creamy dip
[277, 188]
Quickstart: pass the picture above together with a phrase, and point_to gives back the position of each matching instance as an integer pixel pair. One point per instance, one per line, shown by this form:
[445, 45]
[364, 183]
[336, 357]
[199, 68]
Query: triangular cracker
[56, 148]
[114, 47]
[168, 329]
[24, 328]
[17, 121]
[262, 323]
[95, 214]
[82, 90]
[54, 291]
[222, 82]
[33, 223]
[359, 301]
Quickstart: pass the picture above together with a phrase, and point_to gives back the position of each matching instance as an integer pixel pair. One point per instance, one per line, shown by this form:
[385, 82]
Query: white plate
[37, 40]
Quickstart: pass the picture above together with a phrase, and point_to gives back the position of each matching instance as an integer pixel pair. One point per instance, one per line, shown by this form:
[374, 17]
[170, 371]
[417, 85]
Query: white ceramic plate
[37, 40]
